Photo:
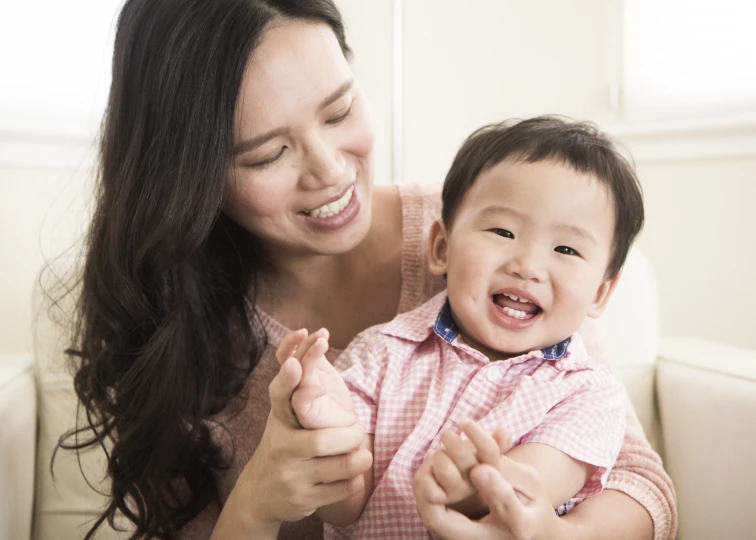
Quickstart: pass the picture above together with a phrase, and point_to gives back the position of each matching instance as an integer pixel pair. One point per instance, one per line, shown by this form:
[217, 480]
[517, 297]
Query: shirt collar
[446, 329]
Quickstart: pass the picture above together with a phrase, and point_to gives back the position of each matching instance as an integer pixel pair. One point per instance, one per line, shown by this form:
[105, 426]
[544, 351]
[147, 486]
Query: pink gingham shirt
[414, 377]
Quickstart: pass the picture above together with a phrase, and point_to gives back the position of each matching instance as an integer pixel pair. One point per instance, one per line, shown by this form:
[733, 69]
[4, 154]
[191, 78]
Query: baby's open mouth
[516, 307]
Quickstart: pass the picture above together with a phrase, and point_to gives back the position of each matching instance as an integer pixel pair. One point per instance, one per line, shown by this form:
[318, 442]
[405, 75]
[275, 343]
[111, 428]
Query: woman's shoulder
[425, 198]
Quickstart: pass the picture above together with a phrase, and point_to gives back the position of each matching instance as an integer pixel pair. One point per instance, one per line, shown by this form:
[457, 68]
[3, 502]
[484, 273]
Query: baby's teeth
[518, 299]
[515, 313]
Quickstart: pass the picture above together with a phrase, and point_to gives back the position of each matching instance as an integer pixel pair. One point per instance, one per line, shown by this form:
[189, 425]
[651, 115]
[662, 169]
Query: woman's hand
[519, 507]
[294, 471]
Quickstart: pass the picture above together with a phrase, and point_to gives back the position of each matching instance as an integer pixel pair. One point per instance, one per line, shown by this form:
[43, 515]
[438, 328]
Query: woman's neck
[347, 292]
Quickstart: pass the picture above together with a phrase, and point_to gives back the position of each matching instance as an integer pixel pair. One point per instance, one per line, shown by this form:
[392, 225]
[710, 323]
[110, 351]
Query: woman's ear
[437, 248]
[603, 294]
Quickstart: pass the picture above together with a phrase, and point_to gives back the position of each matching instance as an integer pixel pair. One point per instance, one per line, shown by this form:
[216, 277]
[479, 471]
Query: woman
[235, 201]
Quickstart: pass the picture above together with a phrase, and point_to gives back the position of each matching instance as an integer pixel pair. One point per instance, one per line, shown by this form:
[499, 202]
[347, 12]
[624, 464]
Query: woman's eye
[566, 250]
[270, 160]
[502, 232]
[340, 118]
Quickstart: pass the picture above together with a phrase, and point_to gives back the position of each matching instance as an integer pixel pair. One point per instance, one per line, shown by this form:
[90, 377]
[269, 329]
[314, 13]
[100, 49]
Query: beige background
[463, 68]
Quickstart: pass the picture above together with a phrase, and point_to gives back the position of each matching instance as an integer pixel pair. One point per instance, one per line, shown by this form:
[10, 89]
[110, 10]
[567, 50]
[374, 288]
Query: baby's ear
[603, 294]
[437, 248]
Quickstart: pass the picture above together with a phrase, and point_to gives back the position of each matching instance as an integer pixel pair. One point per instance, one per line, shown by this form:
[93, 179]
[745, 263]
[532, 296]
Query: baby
[538, 217]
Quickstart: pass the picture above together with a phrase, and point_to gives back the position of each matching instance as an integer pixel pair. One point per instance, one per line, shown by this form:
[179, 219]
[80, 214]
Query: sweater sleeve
[638, 472]
[202, 525]
[421, 206]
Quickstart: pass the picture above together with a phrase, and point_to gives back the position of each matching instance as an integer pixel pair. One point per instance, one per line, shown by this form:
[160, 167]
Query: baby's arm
[446, 479]
[322, 401]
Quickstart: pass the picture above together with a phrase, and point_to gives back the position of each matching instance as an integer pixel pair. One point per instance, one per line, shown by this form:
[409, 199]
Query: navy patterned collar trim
[445, 328]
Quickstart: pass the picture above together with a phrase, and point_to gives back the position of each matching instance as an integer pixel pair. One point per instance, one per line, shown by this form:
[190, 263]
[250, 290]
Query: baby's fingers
[289, 345]
[427, 490]
[487, 448]
[461, 452]
[456, 486]
[316, 409]
[313, 359]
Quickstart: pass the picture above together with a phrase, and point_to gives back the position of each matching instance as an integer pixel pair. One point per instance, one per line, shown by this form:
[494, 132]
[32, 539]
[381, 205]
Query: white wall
[701, 238]
[474, 62]
[463, 66]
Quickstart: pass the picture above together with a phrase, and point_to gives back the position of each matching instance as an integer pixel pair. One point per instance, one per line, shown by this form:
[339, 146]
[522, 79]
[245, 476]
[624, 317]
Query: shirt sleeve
[588, 426]
[363, 370]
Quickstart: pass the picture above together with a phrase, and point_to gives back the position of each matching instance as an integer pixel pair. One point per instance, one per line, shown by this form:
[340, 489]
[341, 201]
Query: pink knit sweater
[638, 471]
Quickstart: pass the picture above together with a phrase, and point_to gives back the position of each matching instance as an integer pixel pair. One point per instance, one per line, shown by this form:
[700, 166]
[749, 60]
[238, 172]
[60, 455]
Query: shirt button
[492, 374]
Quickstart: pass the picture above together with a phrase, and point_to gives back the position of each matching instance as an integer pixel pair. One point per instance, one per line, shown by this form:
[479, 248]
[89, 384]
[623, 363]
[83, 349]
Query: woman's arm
[639, 488]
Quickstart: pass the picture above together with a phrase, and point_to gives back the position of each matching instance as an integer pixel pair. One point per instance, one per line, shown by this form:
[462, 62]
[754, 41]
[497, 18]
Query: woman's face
[303, 141]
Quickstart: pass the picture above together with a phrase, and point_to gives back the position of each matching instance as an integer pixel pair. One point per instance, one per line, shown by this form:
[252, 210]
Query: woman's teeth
[515, 313]
[517, 299]
[331, 209]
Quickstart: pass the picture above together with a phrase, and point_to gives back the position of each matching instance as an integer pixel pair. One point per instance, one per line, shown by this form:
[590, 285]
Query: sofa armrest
[707, 404]
[18, 428]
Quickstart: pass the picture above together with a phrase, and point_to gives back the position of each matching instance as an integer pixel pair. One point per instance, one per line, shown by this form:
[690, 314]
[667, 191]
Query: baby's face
[526, 256]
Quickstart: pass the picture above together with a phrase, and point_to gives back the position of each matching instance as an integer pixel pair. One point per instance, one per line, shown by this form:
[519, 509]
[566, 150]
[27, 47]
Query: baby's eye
[566, 250]
[502, 232]
[266, 162]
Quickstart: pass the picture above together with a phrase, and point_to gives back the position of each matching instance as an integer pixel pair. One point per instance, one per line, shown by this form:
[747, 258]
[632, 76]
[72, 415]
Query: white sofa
[695, 399]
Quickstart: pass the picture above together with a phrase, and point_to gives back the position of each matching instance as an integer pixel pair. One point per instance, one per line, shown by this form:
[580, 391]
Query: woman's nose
[324, 164]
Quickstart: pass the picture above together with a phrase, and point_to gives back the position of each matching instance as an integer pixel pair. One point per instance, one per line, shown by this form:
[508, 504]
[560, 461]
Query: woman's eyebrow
[249, 144]
[336, 94]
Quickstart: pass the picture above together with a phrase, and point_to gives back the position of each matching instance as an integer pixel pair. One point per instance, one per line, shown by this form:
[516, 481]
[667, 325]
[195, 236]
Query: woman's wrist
[241, 519]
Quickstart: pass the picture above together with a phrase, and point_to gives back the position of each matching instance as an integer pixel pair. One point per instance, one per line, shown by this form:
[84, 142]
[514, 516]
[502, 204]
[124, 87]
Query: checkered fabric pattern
[410, 382]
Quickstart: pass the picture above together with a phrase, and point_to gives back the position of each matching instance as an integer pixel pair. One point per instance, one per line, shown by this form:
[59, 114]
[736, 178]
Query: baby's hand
[444, 477]
[451, 467]
[322, 398]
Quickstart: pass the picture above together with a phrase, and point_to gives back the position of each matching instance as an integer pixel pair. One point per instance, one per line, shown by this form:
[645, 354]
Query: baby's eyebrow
[495, 210]
[577, 231]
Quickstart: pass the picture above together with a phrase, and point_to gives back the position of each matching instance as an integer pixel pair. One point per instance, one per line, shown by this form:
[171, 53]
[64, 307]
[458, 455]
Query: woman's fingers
[343, 467]
[450, 524]
[281, 389]
[334, 492]
[499, 496]
[307, 443]
[523, 478]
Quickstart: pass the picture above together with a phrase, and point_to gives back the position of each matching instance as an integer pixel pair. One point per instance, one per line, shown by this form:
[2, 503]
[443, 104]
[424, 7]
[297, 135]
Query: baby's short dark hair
[579, 145]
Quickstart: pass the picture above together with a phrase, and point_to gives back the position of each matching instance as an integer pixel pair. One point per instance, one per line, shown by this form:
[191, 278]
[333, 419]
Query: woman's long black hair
[162, 336]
